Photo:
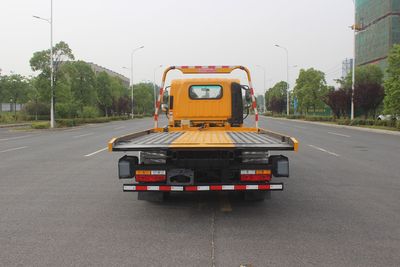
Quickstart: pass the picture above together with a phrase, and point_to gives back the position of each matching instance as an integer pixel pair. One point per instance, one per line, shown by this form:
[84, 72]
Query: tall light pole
[154, 85]
[353, 78]
[132, 53]
[287, 78]
[50, 21]
[264, 89]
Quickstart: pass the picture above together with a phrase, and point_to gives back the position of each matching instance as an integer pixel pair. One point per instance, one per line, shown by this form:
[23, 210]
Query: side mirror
[247, 97]
[164, 107]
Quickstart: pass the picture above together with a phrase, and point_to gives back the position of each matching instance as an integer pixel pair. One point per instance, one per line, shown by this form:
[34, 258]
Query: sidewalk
[371, 130]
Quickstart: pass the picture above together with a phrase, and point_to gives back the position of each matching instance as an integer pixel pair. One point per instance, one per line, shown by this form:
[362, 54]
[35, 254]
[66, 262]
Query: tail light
[150, 176]
[255, 175]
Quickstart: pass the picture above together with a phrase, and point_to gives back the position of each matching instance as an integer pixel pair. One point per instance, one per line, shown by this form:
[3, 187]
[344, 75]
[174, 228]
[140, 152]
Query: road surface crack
[213, 238]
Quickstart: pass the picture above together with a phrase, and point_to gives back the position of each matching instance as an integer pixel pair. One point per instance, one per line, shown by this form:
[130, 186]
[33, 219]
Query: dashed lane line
[324, 150]
[96, 152]
[13, 149]
[15, 138]
[83, 135]
[338, 134]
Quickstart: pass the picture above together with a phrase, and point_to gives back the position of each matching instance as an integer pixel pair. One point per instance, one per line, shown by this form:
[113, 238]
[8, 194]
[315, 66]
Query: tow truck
[205, 145]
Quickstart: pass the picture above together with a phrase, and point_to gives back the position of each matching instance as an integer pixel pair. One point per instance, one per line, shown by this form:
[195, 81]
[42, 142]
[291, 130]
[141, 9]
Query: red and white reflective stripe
[168, 188]
[253, 99]
[158, 104]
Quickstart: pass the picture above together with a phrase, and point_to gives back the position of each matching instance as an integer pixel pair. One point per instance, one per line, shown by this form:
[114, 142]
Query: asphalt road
[62, 204]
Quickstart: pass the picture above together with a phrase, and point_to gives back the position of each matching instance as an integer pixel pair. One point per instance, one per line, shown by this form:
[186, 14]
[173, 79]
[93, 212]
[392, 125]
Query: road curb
[396, 133]
[14, 125]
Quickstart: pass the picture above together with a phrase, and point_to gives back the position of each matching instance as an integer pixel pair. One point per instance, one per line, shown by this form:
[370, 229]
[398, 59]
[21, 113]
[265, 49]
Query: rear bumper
[202, 188]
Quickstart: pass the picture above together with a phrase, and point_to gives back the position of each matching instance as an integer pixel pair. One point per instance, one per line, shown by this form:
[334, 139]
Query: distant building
[378, 23]
[97, 69]
[260, 102]
[9, 107]
[347, 67]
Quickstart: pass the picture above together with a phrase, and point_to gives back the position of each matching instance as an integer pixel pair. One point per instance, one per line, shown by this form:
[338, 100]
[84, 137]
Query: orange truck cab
[216, 101]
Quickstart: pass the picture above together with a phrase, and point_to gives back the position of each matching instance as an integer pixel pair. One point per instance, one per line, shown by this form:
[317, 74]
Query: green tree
[2, 90]
[40, 61]
[104, 93]
[82, 81]
[392, 83]
[310, 89]
[15, 89]
[275, 97]
[369, 92]
[143, 98]
[119, 94]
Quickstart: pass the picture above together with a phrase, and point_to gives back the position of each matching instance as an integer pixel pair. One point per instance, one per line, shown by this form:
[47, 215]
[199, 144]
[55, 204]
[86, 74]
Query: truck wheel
[257, 195]
[152, 196]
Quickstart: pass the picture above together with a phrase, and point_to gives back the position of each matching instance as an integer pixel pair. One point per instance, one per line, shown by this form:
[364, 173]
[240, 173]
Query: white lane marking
[13, 149]
[83, 135]
[338, 134]
[14, 138]
[324, 150]
[96, 152]
[119, 128]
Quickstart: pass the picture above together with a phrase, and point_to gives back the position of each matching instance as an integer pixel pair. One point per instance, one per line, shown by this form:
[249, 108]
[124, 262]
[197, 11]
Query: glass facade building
[379, 29]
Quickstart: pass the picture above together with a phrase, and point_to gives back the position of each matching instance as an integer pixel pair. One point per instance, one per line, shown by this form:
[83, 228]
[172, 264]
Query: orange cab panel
[202, 99]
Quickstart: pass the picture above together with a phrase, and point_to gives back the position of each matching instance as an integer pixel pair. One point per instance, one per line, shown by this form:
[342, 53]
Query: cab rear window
[198, 92]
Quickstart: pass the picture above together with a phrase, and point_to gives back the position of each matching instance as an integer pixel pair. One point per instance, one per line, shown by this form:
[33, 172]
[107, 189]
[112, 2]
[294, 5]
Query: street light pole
[50, 21]
[133, 52]
[154, 85]
[52, 120]
[287, 78]
[353, 78]
[264, 89]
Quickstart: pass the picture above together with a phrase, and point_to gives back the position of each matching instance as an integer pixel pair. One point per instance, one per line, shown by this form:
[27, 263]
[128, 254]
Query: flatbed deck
[204, 139]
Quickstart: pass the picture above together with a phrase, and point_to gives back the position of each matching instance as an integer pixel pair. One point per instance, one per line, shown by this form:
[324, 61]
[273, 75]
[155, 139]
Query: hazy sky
[179, 32]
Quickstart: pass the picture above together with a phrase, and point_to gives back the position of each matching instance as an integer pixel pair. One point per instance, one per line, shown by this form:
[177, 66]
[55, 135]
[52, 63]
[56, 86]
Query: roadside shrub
[40, 125]
[295, 117]
[33, 109]
[89, 112]
[65, 123]
[79, 121]
[318, 118]
[343, 121]
[39, 117]
[7, 117]
[398, 125]
[362, 122]
[389, 123]
[66, 110]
